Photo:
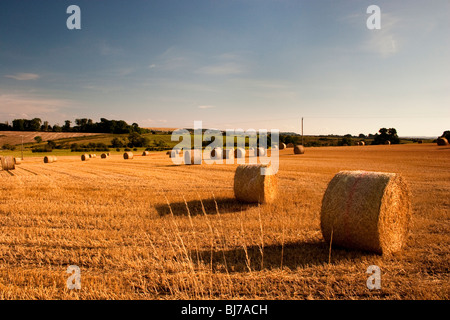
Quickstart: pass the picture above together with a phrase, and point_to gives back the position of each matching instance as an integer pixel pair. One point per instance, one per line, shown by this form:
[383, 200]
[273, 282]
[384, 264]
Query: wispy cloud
[229, 68]
[22, 105]
[23, 76]
[206, 107]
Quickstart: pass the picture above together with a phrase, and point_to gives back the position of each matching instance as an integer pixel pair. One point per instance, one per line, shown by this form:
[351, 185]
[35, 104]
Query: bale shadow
[295, 255]
[224, 205]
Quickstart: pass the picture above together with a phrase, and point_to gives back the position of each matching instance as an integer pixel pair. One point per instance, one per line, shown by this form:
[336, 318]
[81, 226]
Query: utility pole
[302, 131]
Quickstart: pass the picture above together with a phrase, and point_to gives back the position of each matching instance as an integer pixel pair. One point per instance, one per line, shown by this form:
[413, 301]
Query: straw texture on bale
[193, 157]
[299, 149]
[7, 163]
[104, 155]
[442, 141]
[145, 153]
[239, 153]
[228, 154]
[366, 210]
[282, 146]
[85, 157]
[290, 145]
[217, 153]
[17, 160]
[49, 159]
[253, 187]
[128, 155]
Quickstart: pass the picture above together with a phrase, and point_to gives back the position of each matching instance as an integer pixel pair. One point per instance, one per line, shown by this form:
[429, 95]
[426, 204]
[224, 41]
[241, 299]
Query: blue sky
[231, 64]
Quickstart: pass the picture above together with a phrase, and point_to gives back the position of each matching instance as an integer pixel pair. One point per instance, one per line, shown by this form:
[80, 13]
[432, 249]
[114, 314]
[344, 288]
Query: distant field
[14, 137]
[147, 229]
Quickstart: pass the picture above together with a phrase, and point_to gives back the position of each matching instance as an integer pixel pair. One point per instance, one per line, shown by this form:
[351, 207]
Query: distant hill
[15, 137]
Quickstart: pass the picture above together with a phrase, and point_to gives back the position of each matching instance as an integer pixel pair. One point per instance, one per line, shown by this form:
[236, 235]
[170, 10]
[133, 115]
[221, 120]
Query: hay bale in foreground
[253, 187]
[299, 149]
[366, 210]
[7, 163]
[49, 159]
[128, 155]
[85, 157]
[239, 153]
[282, 146]
[193, 156]
[145, 153]
[442, 141]
[104, 156]
[228, 154]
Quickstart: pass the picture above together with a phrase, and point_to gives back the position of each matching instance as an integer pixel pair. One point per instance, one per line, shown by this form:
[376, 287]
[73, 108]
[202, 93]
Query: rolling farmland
[147, 229]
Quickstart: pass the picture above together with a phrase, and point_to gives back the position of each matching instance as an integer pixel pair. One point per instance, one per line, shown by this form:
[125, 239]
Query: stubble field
[148, 229]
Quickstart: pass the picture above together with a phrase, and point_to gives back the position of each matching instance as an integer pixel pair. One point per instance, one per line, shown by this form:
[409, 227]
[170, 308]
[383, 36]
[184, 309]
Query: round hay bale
[253, 187]
[366, 210]
[362, 143]
[357, 143]
[128, 155]
[282, 146]
[290, 145]
[49, 159]
[442, 141]
[239, 153]
[17, 161]
[387, 142]
[260, 152]
[104, 156]
[228, 154]
[168, 153]
[174, 153]
[299, 149]
[85, 157]
[7, 163]
[193, 157]
[145, 153]
[419, 141]
[217, 153]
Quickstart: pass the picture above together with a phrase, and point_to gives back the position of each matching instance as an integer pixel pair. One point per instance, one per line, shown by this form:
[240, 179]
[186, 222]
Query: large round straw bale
[442, 141]
[128, 155]
[366, 210]
[290, 145]
[228, 154]
[253, 187]
[49, 159]
[7, 163]
[282, 146]
[260, 152]
[239, 153]
[17, 161]
[193, 156]
[145, 153]
[217, 153]
[104, 155]
[387, 142]
[299, 149]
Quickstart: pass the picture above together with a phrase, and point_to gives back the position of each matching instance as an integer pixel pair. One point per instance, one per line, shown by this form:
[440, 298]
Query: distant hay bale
[217, 153]
[228, 154]
[174, 153]
[49, 159]
[193, 157]
[239, 153]
[128, 155]
[282, 146]
[290, 145]
[252, 152]
[145, 153]
[104, 155]
[17, 161]
[387, 142]
[442, 141]
[299, 149]
[419, 141]
[253, 187]
[168, 153]
[260, 152]
[357, 143]
[85, 157]
[366, 210]
[7, 163]
[362, 143]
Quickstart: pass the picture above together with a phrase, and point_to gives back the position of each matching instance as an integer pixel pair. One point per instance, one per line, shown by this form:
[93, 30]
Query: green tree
[38, 139]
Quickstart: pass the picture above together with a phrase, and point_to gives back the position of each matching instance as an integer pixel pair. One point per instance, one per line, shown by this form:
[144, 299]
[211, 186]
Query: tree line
[81, 125]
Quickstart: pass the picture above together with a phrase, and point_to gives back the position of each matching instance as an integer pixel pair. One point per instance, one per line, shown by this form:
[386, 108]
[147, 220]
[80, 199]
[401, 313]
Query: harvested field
[148, 229]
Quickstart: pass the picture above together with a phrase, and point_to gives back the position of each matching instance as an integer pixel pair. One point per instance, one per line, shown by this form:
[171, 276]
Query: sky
[256, 64]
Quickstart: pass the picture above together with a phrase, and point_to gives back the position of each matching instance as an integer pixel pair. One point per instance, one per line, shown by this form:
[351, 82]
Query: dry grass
[14, 137]
[147, 229]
